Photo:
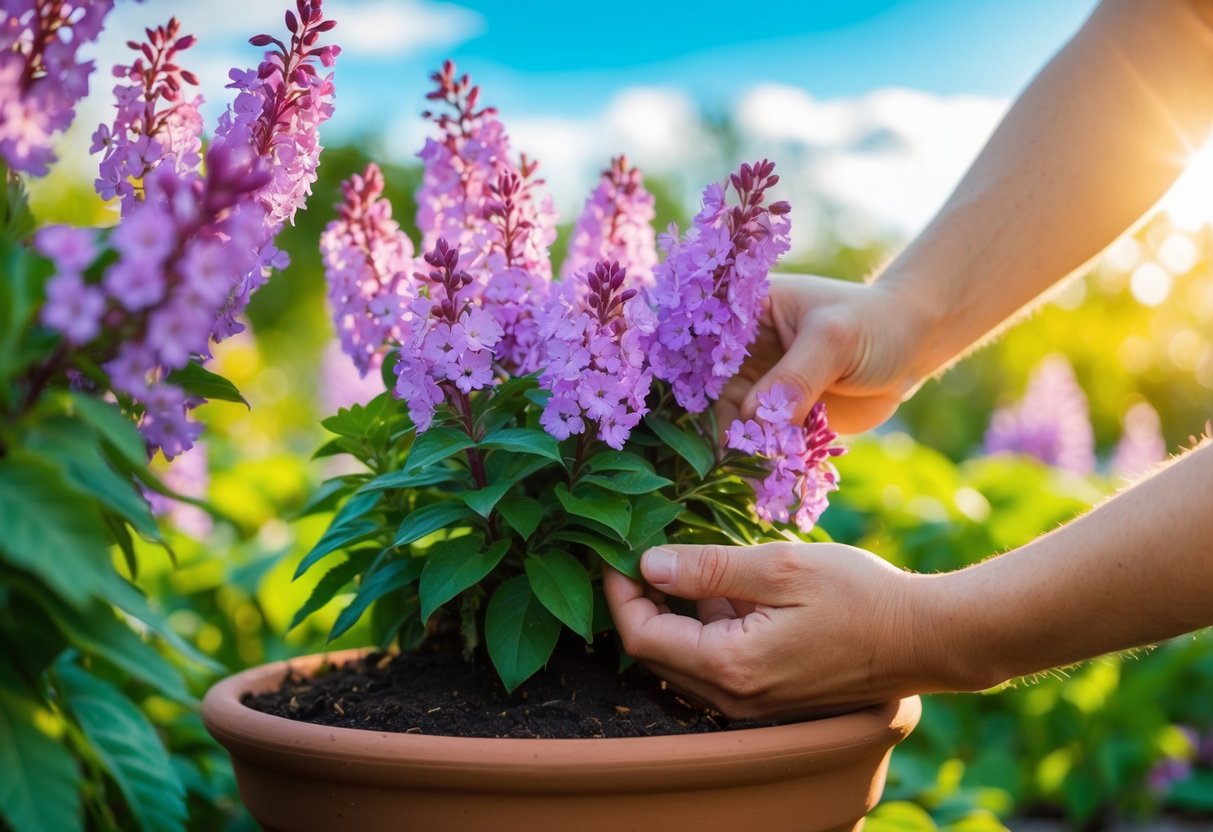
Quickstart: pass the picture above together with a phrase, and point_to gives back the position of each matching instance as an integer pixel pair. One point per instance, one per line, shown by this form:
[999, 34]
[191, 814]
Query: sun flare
[1189, 203]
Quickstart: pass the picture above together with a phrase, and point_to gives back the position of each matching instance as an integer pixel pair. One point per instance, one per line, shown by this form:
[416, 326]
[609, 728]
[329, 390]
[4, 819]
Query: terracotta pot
[820, 775]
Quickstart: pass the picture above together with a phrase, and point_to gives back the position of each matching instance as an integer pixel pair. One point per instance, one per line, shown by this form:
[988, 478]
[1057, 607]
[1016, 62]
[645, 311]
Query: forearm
[1136, 570]
[1090, 146]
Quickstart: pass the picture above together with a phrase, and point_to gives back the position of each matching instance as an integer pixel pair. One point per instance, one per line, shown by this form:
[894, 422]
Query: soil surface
[581, 693]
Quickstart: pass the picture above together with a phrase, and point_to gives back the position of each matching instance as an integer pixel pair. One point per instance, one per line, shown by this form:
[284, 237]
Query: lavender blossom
[593, 358]
[1051, 422]
[711, 287]
[189, 476]
[448, 343]
[41, 80]
[616, 226]
[1141, 447]
[276, 117]
[798, 456]
[368, 261]
[156, 123]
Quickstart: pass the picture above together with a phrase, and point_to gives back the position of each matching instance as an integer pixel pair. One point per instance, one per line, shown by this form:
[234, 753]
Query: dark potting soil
[581, 693]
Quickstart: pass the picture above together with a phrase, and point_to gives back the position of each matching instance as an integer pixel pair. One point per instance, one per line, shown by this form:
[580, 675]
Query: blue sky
[873, 108]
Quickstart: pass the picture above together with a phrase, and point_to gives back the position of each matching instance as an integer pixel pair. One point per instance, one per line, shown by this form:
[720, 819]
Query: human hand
[850, 345]
[784, 630]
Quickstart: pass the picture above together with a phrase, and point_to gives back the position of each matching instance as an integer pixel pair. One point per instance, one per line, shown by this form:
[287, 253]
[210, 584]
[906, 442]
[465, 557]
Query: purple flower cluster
[710, 289]
[616, 226]
[448, 343]
[1051, 422]
[156, 122]
[178, 252]
[801, 475]
[189, 476]
[1141, 446]
[40, 78]
[369, 263]
[490, 210]
[594, 357]
[276, 117]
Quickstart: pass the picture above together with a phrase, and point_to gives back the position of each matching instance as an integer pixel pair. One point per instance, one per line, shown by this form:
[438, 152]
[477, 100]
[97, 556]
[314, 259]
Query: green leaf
[524, 441]
[435, 445]
[429, 519]
[561, 583]
[128, 748]
[105, 418]
[451, 566]
[611, 511]
[131, 600]
[394, 575]
[522, 513]
[38, 791]
[331, 583]
[613, 553]
[98, 632]
[502, 479]
[651, 513]
[358, 421]
[51, 530]
[196, 380]
[75, 450]
[627, 482]
[327, 495]
[519, 631]
[348, 526]
[396, 480]
[686, 443]
[618, 461]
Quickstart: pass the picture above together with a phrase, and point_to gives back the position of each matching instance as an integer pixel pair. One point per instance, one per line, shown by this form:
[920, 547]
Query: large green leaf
[196, 380]
[131, 600]
[333, 582]
[105, 418]
[524, 441]
[396, 480]
[435, 445]
[522, 513]
[627, 482]
[74, 449]
[613, 553]
[561, 583]
[128, 747]
[686, 443]
[451, 566]
[51, 530]
[38, 788]
[610, 510]
[97, 631]
[394, 575]
[651, 513]
[618, 461]
[519, 631]
[502, 479]
[349, 526]
[429, 519]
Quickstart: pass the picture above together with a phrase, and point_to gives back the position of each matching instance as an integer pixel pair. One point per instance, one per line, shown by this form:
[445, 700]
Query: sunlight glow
[1189, 203]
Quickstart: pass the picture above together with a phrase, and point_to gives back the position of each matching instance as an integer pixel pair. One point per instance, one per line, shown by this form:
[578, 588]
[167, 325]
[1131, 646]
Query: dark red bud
[780, 208]
[292, 23]
[185, 42]
[260, 40]
[326, 26]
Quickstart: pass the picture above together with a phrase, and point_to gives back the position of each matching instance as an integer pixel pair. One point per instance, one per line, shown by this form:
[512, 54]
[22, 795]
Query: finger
[648, 634]
[765, 574]
[715, 609]
[807, 369]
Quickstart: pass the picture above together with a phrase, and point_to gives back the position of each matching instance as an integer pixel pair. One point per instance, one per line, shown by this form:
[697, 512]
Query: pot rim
[724, 758]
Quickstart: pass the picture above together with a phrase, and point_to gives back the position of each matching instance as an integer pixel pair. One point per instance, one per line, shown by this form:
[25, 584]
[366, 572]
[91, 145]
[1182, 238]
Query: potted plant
[534, 433]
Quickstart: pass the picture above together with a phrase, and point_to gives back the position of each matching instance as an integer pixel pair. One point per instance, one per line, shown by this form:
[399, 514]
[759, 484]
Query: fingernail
[658, 566]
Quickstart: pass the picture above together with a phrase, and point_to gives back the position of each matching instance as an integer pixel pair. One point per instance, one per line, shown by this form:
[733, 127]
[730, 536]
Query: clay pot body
[294, 776]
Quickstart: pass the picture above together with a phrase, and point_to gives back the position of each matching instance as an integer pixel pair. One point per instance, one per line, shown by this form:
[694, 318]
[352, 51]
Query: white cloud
[396, 27]
[873, 165]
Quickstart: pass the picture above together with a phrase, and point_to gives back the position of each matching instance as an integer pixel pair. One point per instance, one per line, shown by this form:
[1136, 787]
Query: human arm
[787, 630]
[1089, 147]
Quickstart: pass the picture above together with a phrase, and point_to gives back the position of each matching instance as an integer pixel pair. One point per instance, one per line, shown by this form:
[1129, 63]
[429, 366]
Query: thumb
[763, 574]
[807, 369]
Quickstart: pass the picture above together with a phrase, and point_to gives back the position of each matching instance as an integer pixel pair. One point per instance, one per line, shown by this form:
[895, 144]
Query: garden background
[872, 110]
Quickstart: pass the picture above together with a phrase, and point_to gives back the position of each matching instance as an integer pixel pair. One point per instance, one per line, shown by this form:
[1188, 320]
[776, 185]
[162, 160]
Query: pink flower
[616, 225]
[72, 249]
[73, 308]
